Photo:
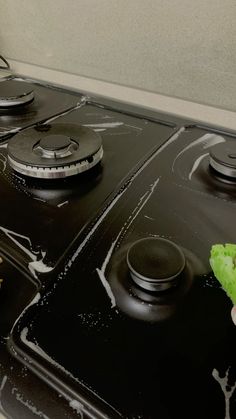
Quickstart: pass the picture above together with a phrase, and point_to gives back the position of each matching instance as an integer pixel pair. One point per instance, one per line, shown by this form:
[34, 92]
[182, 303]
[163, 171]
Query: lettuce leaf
[223, 263]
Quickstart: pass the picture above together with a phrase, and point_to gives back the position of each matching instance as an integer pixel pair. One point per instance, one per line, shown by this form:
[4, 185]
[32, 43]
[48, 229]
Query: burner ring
[15, 93]
[56, 172]
[60, 151]
[223, 158]
[145, 305]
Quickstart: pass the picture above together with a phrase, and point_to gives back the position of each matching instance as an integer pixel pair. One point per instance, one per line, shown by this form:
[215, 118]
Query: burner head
[15, 93]
[148, 290]
[223, 158]
[56, 146]
[55, 142]
[155, 264]
[59, 151]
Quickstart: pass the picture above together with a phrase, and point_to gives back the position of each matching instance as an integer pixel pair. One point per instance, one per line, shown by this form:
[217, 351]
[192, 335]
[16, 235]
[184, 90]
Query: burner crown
[223, 158]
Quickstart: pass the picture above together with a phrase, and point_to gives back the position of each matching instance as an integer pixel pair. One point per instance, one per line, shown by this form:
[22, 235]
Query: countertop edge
[173, 106]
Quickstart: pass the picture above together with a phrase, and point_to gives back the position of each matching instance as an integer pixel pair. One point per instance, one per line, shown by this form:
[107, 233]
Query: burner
[15, 93]
[52, 153]
[155, 264]
[223, 158]
[150, 278]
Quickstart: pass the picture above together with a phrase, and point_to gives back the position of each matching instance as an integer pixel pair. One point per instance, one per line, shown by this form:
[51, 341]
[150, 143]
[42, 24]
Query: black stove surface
[95, 335]
[47, 102]
[52, 213]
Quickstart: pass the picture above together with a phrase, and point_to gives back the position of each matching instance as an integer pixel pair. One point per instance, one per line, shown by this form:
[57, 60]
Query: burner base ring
[57, 172]
[223, 169]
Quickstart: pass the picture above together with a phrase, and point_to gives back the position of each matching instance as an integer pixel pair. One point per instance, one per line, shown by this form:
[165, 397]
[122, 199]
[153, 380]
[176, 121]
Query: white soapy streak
[39, 266]
[94, 228]
[218, 198]
[28, 404]
[4, 145]
[25, 79]
[35, 300]
[10, 233]
[173, 138]
[101, 272]
[116, 134]
[196, 164]
[132, 126]
[149, 218]
[104, 125]
[74, 404]
[11, 131]
[77, 406]
[78, 106]
[208, 140]
[109, 253]
[41, 352]
[62, 203]
[1, 390]
[107, 287]
[38, 199]
[119, 195]
[145, 200]
[35, 265]
[95, 114]
[223, 384]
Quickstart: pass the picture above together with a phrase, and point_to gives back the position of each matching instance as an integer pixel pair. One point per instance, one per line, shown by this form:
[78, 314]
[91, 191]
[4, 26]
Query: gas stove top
[108, 306]
[23, 104]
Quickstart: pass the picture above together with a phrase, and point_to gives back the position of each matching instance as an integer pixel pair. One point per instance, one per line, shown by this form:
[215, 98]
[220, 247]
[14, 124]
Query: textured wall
[182, 48]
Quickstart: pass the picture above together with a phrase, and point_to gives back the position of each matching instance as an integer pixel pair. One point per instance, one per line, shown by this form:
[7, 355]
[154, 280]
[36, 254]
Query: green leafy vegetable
[223, 263]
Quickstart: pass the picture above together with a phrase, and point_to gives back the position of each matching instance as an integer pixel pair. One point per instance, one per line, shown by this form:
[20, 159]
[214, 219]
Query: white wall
[182, 48]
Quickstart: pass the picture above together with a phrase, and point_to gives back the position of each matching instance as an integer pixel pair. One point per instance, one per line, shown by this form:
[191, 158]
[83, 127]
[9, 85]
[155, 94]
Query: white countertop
[175, 106]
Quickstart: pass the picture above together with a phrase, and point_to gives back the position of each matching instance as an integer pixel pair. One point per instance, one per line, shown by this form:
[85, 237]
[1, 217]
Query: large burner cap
[223, 158]
[54, 142]
[155, 263]
[15, 93]
[61, 150]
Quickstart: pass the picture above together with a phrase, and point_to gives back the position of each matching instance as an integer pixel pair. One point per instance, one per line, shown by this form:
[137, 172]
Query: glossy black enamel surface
[146, 355]
[51, 214]
[43, 221]
[92, 342]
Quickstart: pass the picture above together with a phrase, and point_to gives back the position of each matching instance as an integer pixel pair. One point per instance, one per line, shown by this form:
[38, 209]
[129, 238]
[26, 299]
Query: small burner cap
[55, 142]
[15, 93]
[223, 158]
[155, 263]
